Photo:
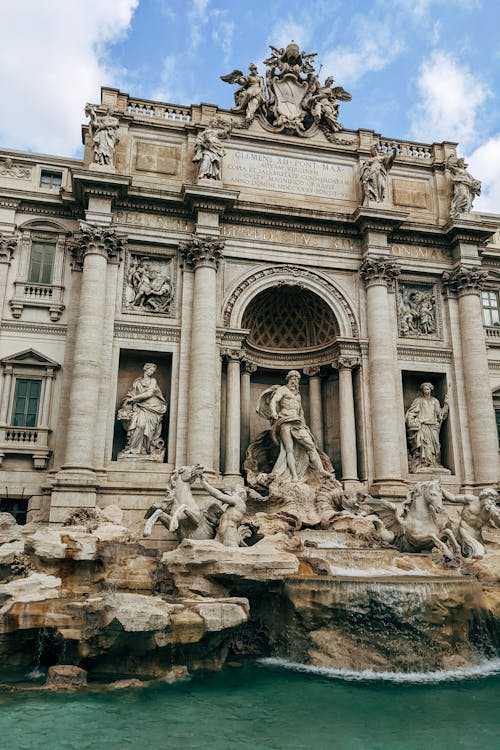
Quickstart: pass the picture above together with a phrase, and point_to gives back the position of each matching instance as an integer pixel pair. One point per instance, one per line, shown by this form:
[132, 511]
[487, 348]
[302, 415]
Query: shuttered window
[26, 402]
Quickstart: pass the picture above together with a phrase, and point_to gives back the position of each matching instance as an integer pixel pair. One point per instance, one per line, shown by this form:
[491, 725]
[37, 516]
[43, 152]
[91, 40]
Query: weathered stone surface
[66, 678]
[260, 562]
[9, 550]
[34, 588]
[10, 531]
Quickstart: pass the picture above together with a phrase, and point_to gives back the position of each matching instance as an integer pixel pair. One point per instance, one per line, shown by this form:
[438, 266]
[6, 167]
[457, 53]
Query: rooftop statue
[103, 130]
[464, 186]
[373, 175]
[292, 98]
[208, 149]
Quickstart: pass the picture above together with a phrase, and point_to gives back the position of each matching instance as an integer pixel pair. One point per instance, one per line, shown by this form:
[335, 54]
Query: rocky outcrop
[66, 678]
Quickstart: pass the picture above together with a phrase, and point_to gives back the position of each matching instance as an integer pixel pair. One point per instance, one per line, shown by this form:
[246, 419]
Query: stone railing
[158, 111]
[493, 334]
[31, 441]
[27, 294]
[421, 151]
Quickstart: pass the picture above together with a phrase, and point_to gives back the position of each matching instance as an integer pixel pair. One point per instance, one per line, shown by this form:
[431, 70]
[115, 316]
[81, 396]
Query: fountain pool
[271, 705]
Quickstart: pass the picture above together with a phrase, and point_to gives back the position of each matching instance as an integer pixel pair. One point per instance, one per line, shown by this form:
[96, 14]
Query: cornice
[128, 330]
[38, 328]
[416, 353]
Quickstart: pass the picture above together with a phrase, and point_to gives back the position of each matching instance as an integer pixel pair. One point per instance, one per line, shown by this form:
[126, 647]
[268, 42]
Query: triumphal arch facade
[154, 294]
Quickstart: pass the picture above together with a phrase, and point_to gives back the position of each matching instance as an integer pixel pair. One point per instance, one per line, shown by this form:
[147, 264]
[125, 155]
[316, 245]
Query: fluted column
[246, 404]
[203, 254]
[378, 275]
[466, 283]
[347, 418]
[95, 246]
[315, 403]
[233, 413]
[7, 246]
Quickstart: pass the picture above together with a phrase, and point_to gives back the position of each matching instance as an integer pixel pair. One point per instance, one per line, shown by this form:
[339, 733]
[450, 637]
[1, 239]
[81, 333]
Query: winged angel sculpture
[291, 98]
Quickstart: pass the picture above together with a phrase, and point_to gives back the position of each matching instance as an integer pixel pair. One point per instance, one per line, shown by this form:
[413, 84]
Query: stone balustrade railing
[158, 111]
[30, 441]
[423, 152]
[493, 334]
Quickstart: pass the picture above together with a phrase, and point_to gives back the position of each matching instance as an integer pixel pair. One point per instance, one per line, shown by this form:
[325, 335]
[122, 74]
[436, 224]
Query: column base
[392, 489]
[73, 487]
[351, 483]
[233, 479]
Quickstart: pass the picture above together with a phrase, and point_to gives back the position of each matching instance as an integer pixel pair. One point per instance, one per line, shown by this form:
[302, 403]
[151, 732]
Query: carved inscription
[288, 174]
[287, 237]
[155, 221]
[418, 251]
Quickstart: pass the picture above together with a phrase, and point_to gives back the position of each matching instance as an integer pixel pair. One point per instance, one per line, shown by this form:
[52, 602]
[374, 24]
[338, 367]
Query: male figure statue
[477, 512]
[282, 405]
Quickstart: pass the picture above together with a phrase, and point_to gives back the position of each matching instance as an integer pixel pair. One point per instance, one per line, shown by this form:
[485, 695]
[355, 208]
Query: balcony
[28, 294]
[28, 441]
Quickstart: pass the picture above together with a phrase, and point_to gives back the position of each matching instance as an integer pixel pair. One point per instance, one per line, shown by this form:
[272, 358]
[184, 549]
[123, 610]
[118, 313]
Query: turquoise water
[263, 707]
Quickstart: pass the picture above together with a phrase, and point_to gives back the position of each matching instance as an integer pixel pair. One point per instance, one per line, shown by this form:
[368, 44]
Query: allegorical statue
[103, 134]
[282, 405]
[208, 149]
[465, 186]
[374, 175]
[477, 512]
[251, 94]
[324, 101]
[141, 414]
[423, 424]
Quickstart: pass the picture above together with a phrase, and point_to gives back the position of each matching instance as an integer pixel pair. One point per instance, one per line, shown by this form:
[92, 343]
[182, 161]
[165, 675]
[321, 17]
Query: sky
[424, 70]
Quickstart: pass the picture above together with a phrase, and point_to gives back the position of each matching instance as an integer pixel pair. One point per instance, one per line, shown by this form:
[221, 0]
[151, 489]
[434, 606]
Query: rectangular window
[491, 308]
[41, 262]
[51, 180]
[17, 508]
[26, 402]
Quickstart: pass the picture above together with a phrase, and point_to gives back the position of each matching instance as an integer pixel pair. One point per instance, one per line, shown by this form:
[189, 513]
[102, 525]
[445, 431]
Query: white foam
[475, 671]
[393, 570]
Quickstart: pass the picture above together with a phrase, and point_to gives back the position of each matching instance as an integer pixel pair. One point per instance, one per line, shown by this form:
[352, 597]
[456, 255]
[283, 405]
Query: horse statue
[419, 523]
[180, 513]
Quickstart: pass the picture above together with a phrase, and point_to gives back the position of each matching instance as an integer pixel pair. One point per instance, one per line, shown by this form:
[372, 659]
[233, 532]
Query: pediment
[29, 357]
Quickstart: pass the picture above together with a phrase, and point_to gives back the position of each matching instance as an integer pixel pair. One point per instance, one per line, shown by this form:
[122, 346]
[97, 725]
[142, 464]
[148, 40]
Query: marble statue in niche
[464, 186]
[141, 414]
[416, 310]
[423, 425]
[373, 175]
[148, 285]
[209, 150]
[103, 130]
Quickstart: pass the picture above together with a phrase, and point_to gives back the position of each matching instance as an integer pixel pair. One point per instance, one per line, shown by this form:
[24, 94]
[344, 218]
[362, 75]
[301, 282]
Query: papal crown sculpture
[292, 98]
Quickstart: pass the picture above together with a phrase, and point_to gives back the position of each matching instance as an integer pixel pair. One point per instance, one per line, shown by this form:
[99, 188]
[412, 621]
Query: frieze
[420, 252]
[153, 221]
[152, 333]
[17, 171]
[38, 328]
[289, 237]
[416, 354]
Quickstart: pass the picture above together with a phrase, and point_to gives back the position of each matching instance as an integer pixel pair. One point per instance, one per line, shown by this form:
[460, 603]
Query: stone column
[246, 405]
[378, 275]
[47, 398]
[203, 254]
[6, 388]
[315, 403]
[466, 283]
[7, 247]
[96, 245]
[233, 414]
[347, 419]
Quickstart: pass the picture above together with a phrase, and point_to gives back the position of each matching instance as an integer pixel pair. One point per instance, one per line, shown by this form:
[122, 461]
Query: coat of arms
[292, 98]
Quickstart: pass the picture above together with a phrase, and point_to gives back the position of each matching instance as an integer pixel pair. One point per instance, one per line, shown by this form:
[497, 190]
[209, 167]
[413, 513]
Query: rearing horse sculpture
[419, 523]
[180, 513]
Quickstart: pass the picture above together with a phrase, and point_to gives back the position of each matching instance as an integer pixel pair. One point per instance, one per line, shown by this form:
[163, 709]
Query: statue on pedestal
[104, 135]
[208, 149]
[373, 175]
[423, 423]
[465, 186]
[141, 414]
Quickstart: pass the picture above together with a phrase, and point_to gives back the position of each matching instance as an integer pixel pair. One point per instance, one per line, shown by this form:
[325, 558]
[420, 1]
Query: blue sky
[419, 69]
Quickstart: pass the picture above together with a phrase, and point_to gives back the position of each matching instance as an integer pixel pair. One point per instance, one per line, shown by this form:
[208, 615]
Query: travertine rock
[34, 588]
[10, 531]
[66, 677]
[9, 551]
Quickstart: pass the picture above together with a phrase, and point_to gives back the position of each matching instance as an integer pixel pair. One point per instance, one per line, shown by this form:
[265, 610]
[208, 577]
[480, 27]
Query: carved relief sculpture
[9, 169]
[423, 423]
[148, 285]
[464, 186]
[373, 175]
[208, 149]
[141, 414]
[103, 134]
[416, 310]
[293, 99]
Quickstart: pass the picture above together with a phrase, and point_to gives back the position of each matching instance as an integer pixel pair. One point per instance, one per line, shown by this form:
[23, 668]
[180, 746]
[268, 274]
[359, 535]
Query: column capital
[465, 280]
[249, 366]
[96, 239]
[379, 271]
[202, 251]
[312, 370]
[232, 355]
[8, 244]
[346, 362]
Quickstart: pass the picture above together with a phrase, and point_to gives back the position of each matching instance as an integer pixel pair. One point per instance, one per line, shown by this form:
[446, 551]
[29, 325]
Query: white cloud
[284, 31]
[484, 163]
[198, 16]
[53, 61]
[450, 99]
[376, 45]
[165, 90]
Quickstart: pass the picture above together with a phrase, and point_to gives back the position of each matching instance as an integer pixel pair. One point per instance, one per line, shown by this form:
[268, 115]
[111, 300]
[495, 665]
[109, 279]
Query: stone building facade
[280, 262]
